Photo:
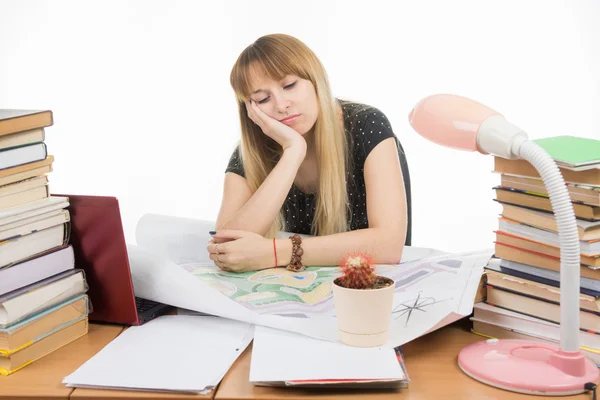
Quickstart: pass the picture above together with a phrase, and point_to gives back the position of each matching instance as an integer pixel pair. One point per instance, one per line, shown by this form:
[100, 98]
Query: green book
[572, 151]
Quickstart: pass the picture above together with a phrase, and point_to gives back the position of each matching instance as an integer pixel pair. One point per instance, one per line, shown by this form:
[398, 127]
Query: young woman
[307, 163]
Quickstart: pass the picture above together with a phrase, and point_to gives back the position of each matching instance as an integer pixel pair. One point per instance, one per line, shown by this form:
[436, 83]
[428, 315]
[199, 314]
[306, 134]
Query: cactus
[358, 272]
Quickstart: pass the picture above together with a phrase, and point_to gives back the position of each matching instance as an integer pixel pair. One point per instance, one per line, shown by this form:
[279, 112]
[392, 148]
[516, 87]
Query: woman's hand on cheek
[276, 130]
[241, 251]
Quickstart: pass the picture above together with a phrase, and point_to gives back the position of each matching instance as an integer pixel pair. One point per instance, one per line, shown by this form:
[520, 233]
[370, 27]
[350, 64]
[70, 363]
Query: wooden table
[431, 363]
[42, 379]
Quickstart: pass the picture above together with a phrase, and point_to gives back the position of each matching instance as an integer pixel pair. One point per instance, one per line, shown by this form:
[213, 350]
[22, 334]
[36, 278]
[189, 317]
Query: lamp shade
[450, 120]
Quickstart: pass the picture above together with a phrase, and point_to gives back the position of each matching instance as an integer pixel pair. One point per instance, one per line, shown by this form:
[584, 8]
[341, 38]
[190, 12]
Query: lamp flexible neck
[569, 241]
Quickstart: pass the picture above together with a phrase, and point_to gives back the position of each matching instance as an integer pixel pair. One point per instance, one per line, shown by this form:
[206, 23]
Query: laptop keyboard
[144, 304]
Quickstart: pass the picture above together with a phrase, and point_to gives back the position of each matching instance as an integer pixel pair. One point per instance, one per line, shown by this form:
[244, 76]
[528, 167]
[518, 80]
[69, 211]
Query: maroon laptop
[100, 250]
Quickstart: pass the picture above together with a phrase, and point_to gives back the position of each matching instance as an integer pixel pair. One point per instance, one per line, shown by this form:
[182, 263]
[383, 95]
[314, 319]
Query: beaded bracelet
[297, 252]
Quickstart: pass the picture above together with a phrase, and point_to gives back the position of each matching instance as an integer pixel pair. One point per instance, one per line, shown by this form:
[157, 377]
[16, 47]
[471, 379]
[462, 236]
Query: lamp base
[526, 366]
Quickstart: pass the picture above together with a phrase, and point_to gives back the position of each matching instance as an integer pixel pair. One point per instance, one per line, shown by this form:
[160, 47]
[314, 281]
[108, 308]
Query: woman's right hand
[286, 136]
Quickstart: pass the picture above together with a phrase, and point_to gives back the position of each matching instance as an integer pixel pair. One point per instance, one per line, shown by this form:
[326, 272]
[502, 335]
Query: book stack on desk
[523, 290]
[43, 304]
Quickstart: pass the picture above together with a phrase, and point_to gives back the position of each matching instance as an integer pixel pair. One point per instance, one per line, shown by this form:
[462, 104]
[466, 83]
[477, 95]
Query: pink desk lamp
[517, 365]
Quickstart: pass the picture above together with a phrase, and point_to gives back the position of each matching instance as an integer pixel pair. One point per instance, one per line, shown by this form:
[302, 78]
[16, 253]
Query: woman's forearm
[382, 245]
[262, 208]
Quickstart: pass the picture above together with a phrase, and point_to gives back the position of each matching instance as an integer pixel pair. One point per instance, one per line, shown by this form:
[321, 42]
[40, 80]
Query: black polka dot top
[366, 127]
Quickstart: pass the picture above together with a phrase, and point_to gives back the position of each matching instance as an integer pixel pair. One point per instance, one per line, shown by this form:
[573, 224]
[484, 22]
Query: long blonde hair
[279, 55]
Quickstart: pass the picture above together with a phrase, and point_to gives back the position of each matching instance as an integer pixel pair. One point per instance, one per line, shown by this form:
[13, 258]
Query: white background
[144, 111]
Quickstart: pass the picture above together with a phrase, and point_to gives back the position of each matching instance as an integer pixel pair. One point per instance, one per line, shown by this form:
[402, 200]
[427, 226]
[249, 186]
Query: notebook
[282, 358]
[572, 151]
[170, 353]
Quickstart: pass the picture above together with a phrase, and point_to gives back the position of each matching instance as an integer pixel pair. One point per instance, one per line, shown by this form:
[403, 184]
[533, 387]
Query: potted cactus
[363, 302]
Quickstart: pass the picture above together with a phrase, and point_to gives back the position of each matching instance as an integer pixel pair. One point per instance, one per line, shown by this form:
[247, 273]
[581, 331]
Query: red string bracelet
[275, 252]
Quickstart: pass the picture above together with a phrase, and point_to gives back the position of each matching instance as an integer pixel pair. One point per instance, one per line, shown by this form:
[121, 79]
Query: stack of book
[43, 300]
[523, 285]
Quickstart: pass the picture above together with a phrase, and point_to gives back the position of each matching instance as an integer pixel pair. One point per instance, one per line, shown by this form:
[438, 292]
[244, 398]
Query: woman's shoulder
[366, 126]
[360, 114]
[363, 119]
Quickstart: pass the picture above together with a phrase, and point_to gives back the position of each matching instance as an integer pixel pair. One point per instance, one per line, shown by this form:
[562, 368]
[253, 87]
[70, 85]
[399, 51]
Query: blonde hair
[276, 56]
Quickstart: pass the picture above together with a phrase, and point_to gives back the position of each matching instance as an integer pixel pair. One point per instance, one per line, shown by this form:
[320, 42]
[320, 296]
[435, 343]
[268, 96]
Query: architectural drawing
[405, 309]
[168, 265]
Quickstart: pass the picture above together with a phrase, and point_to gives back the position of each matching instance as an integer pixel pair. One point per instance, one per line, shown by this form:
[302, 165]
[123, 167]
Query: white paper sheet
[177, 239]
[281, 356]
[170, 353]
[432, 287]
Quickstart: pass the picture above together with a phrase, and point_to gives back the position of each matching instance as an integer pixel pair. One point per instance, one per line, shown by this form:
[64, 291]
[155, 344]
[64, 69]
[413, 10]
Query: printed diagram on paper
[309, 293]
[404, 310]
[168, 266]
[274, 290]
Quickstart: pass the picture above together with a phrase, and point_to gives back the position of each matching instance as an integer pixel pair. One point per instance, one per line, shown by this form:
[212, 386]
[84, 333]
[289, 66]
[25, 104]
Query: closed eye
[288, 86]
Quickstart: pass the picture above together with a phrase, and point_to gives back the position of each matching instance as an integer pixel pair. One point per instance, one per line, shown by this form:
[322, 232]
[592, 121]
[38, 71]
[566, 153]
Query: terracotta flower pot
[363, 315]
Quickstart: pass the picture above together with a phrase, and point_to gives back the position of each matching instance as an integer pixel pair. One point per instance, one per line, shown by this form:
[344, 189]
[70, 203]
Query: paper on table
[180, 240]
[280, 356]
[169, 353]
[169, 265]
[177, 239]
[159, 279]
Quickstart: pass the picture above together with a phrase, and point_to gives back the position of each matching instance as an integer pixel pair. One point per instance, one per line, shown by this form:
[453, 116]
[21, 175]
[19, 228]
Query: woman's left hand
[244, 251]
